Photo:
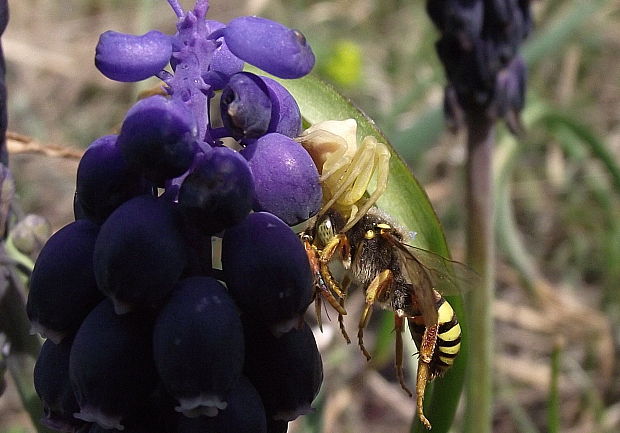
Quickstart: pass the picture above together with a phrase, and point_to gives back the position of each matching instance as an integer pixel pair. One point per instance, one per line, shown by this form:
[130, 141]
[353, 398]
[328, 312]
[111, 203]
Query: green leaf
[408, 203]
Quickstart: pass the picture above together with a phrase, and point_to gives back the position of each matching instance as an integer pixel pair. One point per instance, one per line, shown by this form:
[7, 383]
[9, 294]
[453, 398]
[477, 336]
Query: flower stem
[480, 256]
[23, 348]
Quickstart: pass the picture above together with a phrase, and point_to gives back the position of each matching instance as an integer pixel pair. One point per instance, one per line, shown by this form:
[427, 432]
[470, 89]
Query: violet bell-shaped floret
[104, 179]
[198, 346]
[253, 105]
[63, 289]
[111, 366]
[286, 181]
[158, 137]
[52, 384]
[266, 270]
[245, 106]
[218, 193]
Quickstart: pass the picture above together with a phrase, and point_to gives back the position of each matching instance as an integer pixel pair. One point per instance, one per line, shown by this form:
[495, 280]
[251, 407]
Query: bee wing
[448, 277]
[421, 281]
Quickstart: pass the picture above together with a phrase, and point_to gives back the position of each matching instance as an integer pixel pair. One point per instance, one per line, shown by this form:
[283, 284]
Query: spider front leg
[382, 169]
[377, 289]
[348, 184]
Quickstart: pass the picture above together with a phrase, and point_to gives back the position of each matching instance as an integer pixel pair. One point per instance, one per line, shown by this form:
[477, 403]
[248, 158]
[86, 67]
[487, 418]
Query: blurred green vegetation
[557, 187]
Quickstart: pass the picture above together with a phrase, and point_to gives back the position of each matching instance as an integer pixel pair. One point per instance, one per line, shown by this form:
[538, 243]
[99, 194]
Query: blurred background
[557, 309]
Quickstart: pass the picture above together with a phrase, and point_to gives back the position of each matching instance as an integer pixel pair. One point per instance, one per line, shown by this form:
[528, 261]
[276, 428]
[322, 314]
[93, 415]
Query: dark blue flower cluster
[479, 50]
[174, 303]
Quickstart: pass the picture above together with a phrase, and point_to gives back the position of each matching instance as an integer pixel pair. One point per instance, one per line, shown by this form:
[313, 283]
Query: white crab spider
[345, 168]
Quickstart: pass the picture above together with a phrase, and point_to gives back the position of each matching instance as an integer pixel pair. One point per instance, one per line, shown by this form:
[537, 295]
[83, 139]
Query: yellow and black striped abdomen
[448, 338]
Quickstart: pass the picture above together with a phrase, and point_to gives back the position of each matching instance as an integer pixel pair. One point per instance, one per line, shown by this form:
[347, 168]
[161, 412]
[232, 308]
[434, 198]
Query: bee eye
[325, 231]
[369, 234]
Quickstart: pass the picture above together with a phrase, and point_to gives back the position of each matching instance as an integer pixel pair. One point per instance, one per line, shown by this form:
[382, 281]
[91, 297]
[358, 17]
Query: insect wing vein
[448, 277]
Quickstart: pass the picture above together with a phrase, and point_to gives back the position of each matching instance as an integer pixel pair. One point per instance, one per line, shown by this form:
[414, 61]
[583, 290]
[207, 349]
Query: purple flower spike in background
[270, 46]
[479, 40]
[124, 57]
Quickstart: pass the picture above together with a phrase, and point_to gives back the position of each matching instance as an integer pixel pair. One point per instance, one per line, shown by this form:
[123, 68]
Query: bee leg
[375, 290]
[338, 243]
[338, 305]
[398, 360]
[361, 166]
[427, 349]
[320, 287]
[317, 309]
[345, 288]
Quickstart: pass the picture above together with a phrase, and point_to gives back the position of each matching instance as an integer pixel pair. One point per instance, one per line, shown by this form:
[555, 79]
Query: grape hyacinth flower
[167, 343]
[51, 381]
[486, 82]
[63, 289]
[479, 51]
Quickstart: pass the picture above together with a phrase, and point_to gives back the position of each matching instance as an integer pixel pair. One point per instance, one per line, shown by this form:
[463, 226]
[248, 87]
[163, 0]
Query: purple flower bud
[267, 271]
[286, 181]
[270, 46]
[124, 57]
[510, 94]
[246, 106]
[158, 137]
[286, 371]
[111, 366]
[198, 346]
[461, 18]
[140, 253]
[63, 289]
[51, 382]
[104, 180]
[223, 64]
[219, 191]
[285, 114]
[254, 105]
[244, 414]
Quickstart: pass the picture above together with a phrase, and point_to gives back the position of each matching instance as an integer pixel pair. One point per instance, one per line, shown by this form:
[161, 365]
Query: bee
[379, 258]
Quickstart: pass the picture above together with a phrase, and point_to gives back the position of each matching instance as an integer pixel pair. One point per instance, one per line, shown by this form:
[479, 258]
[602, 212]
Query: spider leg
[375, 290]
[363, 160]
[382, 168]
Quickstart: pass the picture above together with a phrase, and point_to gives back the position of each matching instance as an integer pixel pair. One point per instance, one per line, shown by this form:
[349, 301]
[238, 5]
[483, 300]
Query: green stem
[24, 348]
[480, 256]
[553, 411]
